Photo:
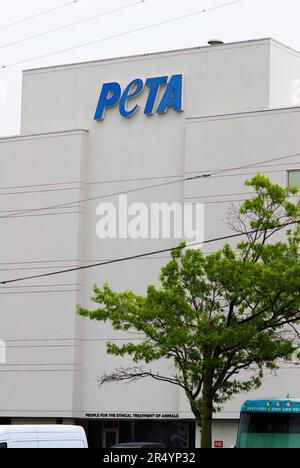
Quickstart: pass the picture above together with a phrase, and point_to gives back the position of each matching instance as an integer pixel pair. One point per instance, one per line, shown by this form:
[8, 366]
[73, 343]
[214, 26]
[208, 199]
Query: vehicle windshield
[264, 430]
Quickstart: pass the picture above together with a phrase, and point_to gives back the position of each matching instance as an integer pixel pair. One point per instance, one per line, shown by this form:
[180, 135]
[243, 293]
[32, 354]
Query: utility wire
[163, 184]
[23, 293]
[125, 33]
[20, 211]
[259, 166]
[78, 184]
[204, 196]
[117, 181]
[67, 213]
[76, 23]
[37, 15]
[133, 257]
[44, 286]
[131, 180]
[98, 197]
[162, 257]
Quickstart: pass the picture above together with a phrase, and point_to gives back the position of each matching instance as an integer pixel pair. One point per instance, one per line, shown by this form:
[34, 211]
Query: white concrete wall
[230, 79]
[37, 321]
[284, 76]
[225, 431]
[224, 434]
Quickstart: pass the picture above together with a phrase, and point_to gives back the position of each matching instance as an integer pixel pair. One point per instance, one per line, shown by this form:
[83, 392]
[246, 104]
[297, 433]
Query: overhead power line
[66, 213]
[105, 182]
[37, 15]
[204, 196]
[75, 23]
[162, 184]
[116, 181]
[134, 257]
[125, 33]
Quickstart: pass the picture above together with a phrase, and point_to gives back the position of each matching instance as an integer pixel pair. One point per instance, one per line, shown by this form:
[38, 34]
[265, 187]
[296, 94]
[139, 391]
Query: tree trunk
[207, 411]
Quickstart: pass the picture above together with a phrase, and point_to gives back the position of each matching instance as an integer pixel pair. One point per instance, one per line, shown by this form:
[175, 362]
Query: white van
[54, 436]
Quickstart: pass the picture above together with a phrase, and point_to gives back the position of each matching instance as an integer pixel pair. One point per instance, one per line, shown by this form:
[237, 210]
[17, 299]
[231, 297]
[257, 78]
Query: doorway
[110, 437]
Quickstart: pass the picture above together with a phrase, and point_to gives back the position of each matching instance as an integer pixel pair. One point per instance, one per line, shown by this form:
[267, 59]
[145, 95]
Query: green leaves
[270, 208]
[218, 314]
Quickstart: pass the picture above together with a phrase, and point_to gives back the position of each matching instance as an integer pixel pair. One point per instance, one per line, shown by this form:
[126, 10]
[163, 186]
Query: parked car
[46, 436]
[134, 445]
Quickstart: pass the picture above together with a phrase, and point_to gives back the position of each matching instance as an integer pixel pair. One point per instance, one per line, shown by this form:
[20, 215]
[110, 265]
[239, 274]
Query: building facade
[239, 109]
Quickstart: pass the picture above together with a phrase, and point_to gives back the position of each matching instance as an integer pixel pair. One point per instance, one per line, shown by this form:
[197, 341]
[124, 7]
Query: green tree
[214, 316]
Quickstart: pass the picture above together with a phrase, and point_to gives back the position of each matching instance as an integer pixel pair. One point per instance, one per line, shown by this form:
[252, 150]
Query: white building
[239, 108]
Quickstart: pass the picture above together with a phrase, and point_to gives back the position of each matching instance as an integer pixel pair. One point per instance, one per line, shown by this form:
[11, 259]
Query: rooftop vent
[214, 42]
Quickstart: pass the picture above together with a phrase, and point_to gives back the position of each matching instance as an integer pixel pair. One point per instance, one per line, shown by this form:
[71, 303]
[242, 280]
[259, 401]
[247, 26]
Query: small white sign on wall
[296, 92]
[3, 92]
[2, 352]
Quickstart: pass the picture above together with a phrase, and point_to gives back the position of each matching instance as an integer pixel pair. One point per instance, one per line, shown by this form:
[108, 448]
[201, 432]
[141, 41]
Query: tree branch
[134, 374]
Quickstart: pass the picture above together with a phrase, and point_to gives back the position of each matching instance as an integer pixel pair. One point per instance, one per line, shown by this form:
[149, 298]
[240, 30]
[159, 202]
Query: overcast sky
[248, 19]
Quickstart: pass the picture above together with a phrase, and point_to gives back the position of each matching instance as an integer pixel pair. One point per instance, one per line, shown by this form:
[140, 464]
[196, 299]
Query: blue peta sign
[112, 95]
